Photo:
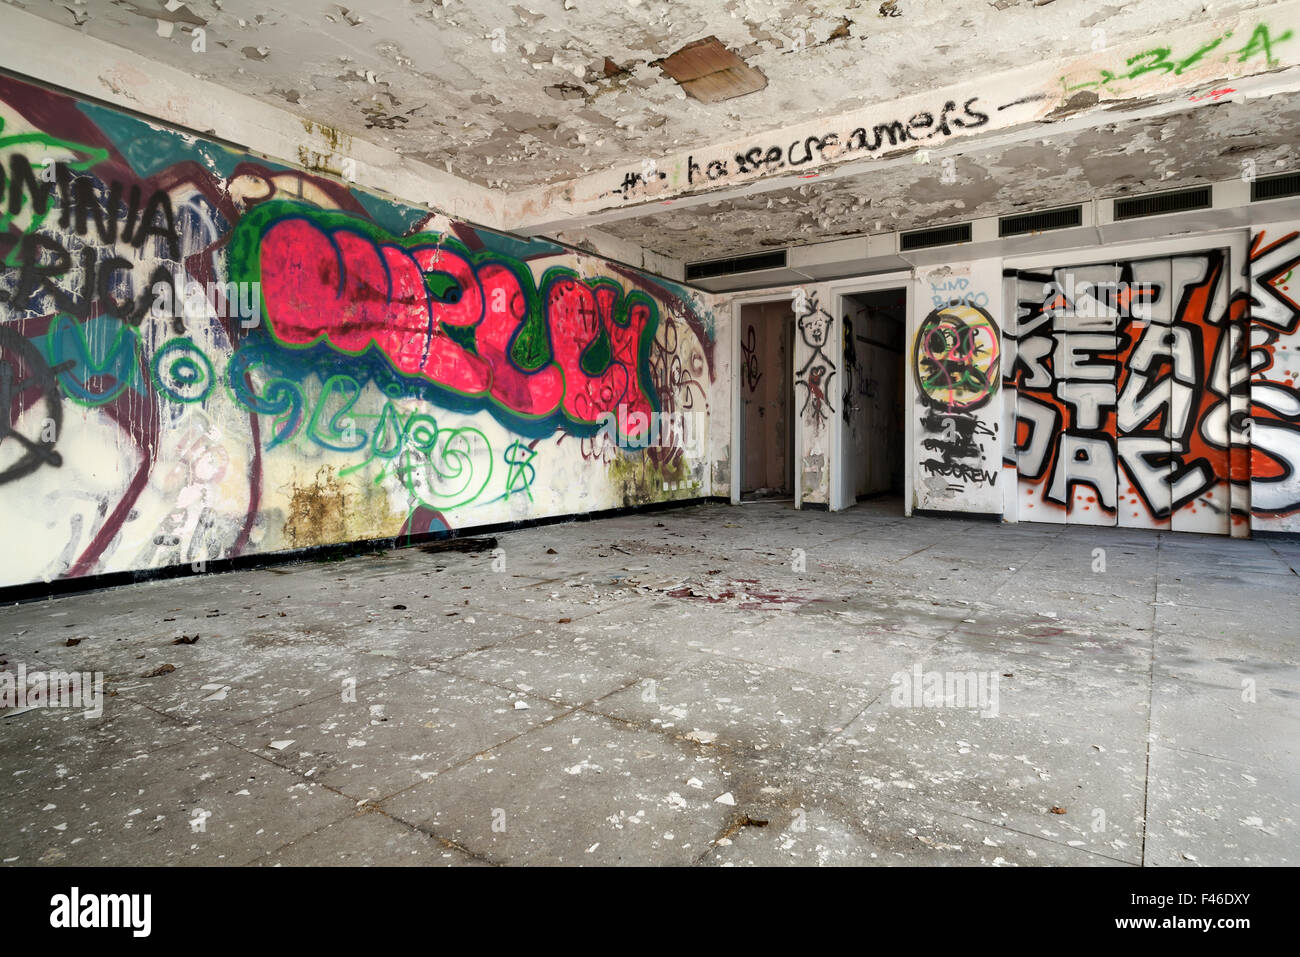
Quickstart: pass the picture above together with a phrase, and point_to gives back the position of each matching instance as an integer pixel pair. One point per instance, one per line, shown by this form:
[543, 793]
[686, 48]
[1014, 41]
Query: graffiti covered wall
[1159, 392]
[1273, 361]
[204, 355]
[955, 371]
[1125, 397]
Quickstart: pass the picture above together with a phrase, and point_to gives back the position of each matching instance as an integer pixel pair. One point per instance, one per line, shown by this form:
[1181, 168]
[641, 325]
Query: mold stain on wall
[318, 511]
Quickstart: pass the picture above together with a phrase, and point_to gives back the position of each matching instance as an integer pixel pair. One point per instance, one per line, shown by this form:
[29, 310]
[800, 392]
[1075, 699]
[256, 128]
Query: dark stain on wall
[317, 512]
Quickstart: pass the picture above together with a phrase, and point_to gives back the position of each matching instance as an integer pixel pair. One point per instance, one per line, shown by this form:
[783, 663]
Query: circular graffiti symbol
[439, 465]
[181, 372]
[957, 357]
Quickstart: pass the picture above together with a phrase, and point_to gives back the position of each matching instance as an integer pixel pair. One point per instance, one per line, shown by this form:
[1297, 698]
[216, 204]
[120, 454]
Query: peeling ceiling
[531, 92]
[1115, 159]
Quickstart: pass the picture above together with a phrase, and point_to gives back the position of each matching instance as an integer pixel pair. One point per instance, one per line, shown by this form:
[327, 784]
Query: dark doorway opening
[872, 394]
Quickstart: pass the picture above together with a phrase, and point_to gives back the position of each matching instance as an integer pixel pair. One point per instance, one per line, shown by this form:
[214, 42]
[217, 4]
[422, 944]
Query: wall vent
[1175, 201]
[1022, 223]
[738, 264]
[1275, 187]
[940, 236]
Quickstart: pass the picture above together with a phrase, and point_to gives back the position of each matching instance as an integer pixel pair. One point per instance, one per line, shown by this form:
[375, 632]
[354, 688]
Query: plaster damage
[507, 94]
[1104, 162]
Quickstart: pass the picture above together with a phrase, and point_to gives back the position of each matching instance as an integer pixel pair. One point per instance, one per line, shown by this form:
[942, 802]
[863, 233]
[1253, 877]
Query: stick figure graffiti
[815, 375]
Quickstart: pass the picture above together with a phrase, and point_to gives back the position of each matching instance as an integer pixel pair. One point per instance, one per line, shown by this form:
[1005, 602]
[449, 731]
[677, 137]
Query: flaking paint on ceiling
[1115, 159]
[511, 94]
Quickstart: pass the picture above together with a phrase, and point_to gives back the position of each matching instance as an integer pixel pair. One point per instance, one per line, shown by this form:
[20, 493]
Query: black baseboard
[968, 516]
[815, 507]
[39, 591]
[1293, 537]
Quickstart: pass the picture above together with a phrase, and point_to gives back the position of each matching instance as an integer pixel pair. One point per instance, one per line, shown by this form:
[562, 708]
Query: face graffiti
[956, 357]
[327, 366]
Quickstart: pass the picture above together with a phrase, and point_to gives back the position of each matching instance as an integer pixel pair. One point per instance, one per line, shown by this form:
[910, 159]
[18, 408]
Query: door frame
[1235, 239]
[737, 398]
[836, 292]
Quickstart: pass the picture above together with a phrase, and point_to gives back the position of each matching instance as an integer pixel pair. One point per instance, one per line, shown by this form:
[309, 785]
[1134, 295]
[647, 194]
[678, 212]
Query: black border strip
[973, 516]
[1275, 535]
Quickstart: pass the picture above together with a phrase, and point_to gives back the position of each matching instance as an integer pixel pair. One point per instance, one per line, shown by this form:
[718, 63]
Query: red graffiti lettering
[344, 288]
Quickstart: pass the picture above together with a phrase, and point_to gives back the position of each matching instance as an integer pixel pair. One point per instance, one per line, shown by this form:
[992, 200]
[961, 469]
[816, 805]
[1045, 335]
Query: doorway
[872, 400]
[767, 401]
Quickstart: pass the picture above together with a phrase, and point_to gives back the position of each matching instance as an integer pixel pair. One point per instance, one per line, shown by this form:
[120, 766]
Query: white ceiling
[514, 94]
[520, 95]
[1114, 159]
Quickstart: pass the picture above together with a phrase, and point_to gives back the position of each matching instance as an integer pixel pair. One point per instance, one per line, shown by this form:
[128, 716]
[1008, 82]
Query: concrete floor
[668, 688]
